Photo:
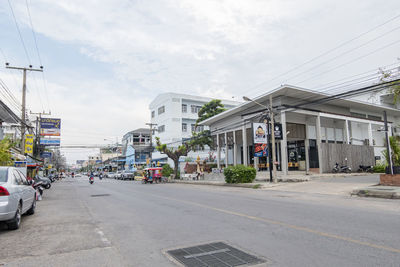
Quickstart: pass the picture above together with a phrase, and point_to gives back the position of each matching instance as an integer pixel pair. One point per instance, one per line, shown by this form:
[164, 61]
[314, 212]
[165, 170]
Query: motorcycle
[100, 176]
[343, 168]
[38, 186]
[91, 180]
[364, 168]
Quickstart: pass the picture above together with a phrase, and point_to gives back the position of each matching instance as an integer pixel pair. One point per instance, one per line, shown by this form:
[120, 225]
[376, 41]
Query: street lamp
[271, 149]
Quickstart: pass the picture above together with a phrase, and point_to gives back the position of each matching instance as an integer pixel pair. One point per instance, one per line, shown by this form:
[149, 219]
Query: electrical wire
[19, 32]
[250, 90]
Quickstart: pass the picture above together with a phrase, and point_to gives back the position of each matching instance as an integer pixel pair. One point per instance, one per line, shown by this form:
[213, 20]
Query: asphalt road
[125, 223]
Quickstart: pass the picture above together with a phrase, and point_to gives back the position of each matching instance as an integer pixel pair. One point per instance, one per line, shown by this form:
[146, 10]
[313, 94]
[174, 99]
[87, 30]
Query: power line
[33, 31]
[19, 32]
[323, 54]
[353, 60]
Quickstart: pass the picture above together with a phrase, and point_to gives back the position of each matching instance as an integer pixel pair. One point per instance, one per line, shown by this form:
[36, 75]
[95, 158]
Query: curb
[252, 185]
[376, 194]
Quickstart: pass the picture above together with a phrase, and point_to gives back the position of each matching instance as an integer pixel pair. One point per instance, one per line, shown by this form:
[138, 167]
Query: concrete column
[244, 136]
[370, 138]
[234, 149]
[347, 132]
[307, 147]
[390, 130]
[226, 149]
[284, 159]
[256, 163]
[218, 153]
[319, 143]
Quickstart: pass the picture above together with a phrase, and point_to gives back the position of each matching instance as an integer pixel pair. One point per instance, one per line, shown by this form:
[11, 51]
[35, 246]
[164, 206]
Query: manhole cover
[100, 195]
[213, 254]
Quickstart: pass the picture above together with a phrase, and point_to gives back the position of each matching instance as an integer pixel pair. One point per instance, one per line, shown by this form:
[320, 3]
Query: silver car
[17, 197]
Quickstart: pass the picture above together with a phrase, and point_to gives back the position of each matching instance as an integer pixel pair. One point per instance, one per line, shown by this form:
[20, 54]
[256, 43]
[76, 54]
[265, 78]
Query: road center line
[291, 226]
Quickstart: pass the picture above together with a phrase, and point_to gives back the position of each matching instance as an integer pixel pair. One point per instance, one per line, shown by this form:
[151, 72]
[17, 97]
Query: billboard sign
[260, 133]
[49, 142]
[50, 127]
[260, 150]
[29, 143]
[45, 155]
[278, 131]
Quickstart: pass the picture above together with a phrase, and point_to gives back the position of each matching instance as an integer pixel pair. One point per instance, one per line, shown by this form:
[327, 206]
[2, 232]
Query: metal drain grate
[100, 195]
[213, 255]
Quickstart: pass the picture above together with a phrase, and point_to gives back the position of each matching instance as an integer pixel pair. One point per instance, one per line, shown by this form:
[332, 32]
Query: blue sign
[19, 163]
[98, 161]
[49, 142]
[45, 155]
[49, 123]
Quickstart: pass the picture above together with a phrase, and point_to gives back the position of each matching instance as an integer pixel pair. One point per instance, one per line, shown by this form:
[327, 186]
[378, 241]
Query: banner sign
[45, 155]
[260, 150]
[50, 127]
[29, 143]
[278, 131]
[19, 163]
[260, 133]
[49, 142]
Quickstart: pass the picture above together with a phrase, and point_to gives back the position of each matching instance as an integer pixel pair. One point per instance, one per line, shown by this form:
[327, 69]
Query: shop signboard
[49, 142]
[260, 150]
[29, 143]
[260, 133]
[278, 131]
[50, 127]
[45, 155]
[19, 164]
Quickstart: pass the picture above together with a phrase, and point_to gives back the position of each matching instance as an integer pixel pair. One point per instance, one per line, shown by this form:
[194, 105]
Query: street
[125, 223]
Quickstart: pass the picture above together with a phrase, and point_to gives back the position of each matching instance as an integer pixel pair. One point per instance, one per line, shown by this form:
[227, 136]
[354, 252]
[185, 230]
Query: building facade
[314, 137]
[136, 147]
[175, 116]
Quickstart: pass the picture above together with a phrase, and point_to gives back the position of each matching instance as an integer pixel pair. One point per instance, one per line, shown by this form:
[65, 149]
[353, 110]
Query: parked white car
[17, 197]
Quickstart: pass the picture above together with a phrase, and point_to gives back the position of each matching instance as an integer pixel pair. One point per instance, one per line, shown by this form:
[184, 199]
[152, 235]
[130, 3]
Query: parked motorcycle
[38, 186]
[364, 168]
[91, 180]
[343, 168]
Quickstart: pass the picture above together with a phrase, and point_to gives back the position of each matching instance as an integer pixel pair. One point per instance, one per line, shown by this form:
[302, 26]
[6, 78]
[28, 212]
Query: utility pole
[23, 118]
[271, 116]
[389, 151]
[38, 119]
[151, 140]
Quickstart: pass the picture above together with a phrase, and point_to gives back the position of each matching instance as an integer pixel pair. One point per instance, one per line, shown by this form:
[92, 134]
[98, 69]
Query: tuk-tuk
[152, 174]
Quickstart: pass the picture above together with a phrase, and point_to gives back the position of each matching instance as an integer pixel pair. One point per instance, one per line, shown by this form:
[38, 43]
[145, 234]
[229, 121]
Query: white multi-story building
[175, 117]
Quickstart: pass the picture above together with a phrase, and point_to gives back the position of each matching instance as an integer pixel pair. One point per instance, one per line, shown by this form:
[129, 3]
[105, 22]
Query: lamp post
[271, 135]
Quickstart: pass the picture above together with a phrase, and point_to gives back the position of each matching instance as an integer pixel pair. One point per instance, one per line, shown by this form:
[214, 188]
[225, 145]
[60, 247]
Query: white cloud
[215, 48]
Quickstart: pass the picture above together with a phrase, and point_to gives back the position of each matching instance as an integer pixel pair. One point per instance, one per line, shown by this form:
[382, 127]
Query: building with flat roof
[314, 136]
[175, 116]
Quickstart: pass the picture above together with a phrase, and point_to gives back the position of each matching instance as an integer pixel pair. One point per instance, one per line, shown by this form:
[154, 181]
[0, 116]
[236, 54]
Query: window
[195, 109]
[193, 127]
[17, 177]
[358, 115]
[373, 117]
[184, 108]
[153, 114]
[161, 128]
[161, 110]
[184, 127]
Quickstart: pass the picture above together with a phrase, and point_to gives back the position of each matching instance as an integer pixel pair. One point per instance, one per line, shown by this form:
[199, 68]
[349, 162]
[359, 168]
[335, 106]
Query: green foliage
[387, 76]
[256, 186]
[239, 174]
[394, 142]
[381, 168]
[210, 109]
[167, 170]
[5, 154]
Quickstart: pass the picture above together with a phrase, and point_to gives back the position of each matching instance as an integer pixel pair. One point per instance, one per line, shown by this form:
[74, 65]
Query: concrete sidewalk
[336, 184]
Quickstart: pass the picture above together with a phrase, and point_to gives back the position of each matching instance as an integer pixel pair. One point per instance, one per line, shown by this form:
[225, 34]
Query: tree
[209, 110]
[198, 140]
[5, 154]
[388, 76]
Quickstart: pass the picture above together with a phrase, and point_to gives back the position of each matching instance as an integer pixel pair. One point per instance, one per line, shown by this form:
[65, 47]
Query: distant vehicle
[110, 174]
[118, 175]
[128, 175]
[17, 197]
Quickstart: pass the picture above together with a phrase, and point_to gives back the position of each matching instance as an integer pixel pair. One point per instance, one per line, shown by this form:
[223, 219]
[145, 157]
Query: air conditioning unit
[366, 142]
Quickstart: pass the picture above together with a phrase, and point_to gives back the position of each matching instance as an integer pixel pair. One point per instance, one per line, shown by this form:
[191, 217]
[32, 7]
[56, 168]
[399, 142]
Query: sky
[105, 60]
